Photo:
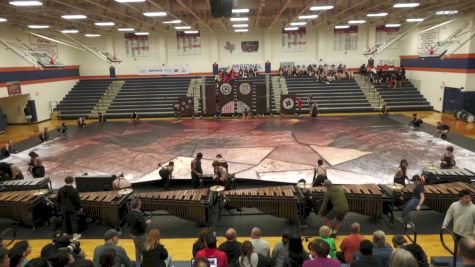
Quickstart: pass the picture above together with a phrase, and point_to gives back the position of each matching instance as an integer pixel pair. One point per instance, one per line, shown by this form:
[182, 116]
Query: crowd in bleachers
[390, 77]
[232, 74]
[323, 73]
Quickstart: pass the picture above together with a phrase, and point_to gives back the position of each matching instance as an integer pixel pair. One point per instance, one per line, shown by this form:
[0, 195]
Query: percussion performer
[385, 110]
[196, 171]
[448, 160]
[120, 183]
[462, 214]
[222, 176]
[36, 167]
[335, 195]
[319, 174]
[415, 202]
[166, 174]
[68, 199]
[62, 129]
[9, 171]
[314, 109]
[442, 130]
[134, 118]
[222, 161]
[44, 135]
[415, 122]
[81, 122]
[8, 149]
[401, 173]
[102, 118]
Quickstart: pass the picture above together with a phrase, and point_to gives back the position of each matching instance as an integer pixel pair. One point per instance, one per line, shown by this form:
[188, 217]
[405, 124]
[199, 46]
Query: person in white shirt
[260, 246]
[462, 215]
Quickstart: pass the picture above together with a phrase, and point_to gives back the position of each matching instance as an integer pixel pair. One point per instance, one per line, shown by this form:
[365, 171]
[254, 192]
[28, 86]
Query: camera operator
[61, 241]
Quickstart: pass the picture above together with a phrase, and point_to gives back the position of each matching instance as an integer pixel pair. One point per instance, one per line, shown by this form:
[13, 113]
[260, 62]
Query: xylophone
[26, 184]
[366, 199]
[438, 197]
[436, 175]
[27, 207]
[109, 207]
[190, 204]
[281, 201]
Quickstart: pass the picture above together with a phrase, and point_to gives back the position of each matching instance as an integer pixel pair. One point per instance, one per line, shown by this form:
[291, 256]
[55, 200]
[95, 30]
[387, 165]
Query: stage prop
[288, 104]
[186, 106]
[261, 99]
[210, 105]
[244, 96]
[225, 102]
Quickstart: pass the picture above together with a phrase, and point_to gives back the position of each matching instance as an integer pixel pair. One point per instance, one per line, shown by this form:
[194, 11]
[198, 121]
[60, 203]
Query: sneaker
[76, 236]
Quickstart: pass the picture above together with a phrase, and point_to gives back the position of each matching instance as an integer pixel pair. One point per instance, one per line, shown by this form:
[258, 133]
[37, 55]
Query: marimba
[109, 208]
[366, 199]
[190, 204]
[26, 184]
[438, 197]
[26, 207]
[436, 175]
[280, 201]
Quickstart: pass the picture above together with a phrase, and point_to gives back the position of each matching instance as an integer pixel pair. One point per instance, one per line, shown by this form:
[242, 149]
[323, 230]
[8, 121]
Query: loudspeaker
[215, 8]
[94, 183]
[226, 8]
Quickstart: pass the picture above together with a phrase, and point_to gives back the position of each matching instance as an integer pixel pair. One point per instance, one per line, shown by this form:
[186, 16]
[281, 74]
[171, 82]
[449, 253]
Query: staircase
[370, 92]
[107, 99]
[279, 87]
[405, 98]
[194, 90]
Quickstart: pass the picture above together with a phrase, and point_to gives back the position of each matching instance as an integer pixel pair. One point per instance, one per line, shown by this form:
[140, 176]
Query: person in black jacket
[231, 247]
[365, 258]
[138, 228]
[68, 199]
[154, 254]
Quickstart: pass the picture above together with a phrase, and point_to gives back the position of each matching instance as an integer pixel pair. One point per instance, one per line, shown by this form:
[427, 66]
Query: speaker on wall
[221, 8]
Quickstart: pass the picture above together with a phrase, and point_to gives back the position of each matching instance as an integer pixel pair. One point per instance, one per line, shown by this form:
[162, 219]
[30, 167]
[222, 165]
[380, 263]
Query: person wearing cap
[365, 257]
[415, 202]
[111, 238]
[335, 195]
[281, 250]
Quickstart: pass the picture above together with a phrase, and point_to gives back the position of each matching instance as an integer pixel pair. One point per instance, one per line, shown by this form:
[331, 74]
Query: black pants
[195, 180]
[70, 222]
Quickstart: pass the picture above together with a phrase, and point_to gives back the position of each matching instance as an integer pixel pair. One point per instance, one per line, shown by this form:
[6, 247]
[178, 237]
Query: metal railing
[453, 251]
[407, 233]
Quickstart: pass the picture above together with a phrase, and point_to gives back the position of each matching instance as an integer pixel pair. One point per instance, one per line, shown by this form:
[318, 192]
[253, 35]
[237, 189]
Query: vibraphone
[26, 207]
[190, 204]
[281, 201]
[438, 197]
[109, 208]
[436, 175]
[366, 199]
[26, 184]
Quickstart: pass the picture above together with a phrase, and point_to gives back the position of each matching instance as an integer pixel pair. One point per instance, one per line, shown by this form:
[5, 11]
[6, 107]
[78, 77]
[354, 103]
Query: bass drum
[458, 114]
[468, 117]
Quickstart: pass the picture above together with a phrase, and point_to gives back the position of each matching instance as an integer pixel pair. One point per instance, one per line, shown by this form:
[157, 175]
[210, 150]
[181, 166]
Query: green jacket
[336, 196]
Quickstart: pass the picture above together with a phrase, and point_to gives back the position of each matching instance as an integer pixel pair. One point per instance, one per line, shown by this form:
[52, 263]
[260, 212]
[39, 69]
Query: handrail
[414, 233]
[451, 252]
[2, 235]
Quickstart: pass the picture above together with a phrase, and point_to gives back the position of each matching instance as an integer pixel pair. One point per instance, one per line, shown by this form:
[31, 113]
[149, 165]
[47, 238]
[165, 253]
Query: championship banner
[287, 104]
[188, 44]
[244, 96]
[261, 98]
[14, 88]
[185, 105]
[210, 104]
[225, 100]
[136, 45]
[294, 41]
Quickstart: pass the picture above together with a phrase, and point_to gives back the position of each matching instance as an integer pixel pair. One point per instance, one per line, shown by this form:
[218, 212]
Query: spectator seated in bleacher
[365, 257]
[350, 245]
[442, 130]
[402, 258]
[260, 246]
[111, 238]
[297, 254]
[231, 247]
[381, 249]
[281, 250]
[81, 122]
[416, 121]
[320, 250]
[210, 251]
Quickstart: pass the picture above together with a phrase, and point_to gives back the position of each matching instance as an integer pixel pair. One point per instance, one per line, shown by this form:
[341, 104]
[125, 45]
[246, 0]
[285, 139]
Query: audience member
[365, 257]
[249, 258]
[336, 196]
[108, 258]
[201, 262]
[4, 259]
[61, 258]
[101, 117]
[260, 246]
[281, 250]
[200, 242]
[297, 254]
[418, 254]
[138, 228]
[462, 215]
[24, 249]
[351, 244]
[399, 241]
[40, 262]
[16, 257]
[210, 251]
[325, 235]
[68, 199]
[154, 254]
[111, 238]
[467, 250]
[231, 247]
[53, 247]
[79, 263]
[381, 249]
[402, 258]
[320, 250]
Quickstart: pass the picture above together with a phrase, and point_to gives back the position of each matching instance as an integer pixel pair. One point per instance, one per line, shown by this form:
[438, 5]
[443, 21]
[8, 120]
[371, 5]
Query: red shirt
[299, 103]
[213, 253]
[350, 245]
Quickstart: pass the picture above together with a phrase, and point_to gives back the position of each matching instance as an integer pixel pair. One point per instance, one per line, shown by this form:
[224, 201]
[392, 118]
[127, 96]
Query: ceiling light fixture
[126, 29]
[360, 21]
[129, 1]
[308, 16]
[155, 14]
[104, 24]
[239, 19]
[176, 21]
[406, 5]
[142, 33]
[446, 12]
[241, 30]
[38, 26]
[3, 19]
[26, 3]
[74, 16]
[182, 27]
[382, 14]
[192, 32]
[300, 23]
[320, 8]
[392, 25]
[342, 26]
[240, 10]
[92, 35]
[69, 31]
[415, 20]
[291, 28]
[240, 25]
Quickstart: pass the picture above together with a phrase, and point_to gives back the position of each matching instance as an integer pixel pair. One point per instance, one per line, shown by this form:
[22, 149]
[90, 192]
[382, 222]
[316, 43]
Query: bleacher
[149, 97]
[335, 97]
[404, 98]
[82, 98]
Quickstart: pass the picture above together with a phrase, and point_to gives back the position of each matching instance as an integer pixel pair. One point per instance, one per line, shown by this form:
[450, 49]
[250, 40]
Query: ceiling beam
[277, 16]
[262, 3]
[190, 11]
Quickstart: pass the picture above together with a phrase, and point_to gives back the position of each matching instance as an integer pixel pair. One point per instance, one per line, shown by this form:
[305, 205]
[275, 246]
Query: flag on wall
[384, 34]
[136, 45]
[294, 41]
[188, 44]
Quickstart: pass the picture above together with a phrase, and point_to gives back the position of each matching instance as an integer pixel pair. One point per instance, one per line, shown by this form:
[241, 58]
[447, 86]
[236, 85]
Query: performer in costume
[9, 171]
[44, 135]
[134, 118]
[448, 160]
[401, 173]
[166, 173]
[415, 122]
[196, 170]
[222, 161]
[8, 149]
[120, 183]
[319, 174]
[36, 167]
[222, 175]
[442, 130]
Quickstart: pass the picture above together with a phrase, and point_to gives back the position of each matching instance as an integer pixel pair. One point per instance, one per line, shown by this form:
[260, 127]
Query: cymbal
[395, 186]
[217, 188]
[304, 185]
[40, 192]
[125, 191]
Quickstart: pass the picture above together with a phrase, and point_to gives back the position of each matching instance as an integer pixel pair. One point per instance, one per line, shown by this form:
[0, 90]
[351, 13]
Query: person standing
[138, 228]
[467, 251]
[111, 238]
[154, 254]
[462, 215]
[210, 251]
[281, 250]
[299, 105]
[70, 203]
[134, 118]
[335, 195]
[27, 113]
[231, 247]
[260, 246]
[196, 171]
[415, 202]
